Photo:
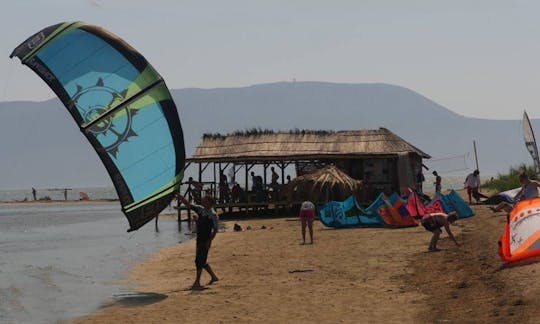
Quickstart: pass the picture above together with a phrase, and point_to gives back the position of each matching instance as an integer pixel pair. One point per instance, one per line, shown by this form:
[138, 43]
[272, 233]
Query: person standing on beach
[207, 227]
[433, 223]
[437, 182]
[307, 215]
[472, 183]
[34, 193]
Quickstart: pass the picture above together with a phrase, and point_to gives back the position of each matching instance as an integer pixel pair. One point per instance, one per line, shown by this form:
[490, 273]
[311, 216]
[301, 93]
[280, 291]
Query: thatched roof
[328, 183]
[300, 144]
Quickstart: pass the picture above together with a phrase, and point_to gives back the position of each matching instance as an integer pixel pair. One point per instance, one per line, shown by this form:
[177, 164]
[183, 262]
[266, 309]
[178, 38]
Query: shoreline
[31, 202]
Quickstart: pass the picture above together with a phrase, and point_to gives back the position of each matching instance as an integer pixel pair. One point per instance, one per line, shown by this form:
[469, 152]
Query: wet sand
[356, 275]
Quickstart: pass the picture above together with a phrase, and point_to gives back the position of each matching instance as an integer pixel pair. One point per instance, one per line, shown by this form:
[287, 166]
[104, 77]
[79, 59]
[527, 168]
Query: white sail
[530, 141]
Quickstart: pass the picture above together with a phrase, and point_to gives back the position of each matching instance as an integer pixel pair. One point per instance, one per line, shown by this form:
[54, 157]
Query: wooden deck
[250, 208]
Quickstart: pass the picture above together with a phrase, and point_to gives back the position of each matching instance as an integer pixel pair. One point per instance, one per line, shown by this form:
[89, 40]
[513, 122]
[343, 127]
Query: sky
[478, 58]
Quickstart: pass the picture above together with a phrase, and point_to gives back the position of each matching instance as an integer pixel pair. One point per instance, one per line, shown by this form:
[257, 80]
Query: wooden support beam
[282, 167]
[247, 170]
[265, 166]
[206, 166]
[225, 167]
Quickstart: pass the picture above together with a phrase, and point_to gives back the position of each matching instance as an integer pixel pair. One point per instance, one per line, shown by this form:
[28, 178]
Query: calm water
[59, 261]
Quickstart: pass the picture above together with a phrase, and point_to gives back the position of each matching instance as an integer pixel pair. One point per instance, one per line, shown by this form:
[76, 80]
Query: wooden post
[477, 167]
[214, 189]
[247, 171]
[265, 166]
[282, 166]
[475, 155]
[179, 212]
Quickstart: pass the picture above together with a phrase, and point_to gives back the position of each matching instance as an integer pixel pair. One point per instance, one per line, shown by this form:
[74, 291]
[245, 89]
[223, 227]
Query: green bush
[510, 180]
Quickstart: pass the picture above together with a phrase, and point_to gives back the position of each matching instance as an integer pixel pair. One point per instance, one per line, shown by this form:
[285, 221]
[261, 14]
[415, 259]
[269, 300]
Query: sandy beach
[357, 275]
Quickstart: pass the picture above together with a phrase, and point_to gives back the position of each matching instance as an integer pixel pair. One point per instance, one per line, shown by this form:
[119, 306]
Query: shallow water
[60, 261]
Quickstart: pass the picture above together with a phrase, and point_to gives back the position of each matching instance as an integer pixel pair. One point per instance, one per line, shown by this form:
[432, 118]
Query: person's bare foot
[212, 281]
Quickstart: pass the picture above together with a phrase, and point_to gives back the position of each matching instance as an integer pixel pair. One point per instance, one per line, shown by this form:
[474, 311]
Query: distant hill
[41, 145]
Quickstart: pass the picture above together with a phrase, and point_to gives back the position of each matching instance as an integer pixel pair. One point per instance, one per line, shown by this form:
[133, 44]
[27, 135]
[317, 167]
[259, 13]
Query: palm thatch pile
[326, 184]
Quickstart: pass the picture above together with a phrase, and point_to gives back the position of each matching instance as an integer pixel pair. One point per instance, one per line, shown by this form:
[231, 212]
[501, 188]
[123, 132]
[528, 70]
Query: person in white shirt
[472, 182]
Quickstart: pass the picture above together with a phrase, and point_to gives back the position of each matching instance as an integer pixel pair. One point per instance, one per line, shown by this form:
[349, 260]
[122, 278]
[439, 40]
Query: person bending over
[433, 223]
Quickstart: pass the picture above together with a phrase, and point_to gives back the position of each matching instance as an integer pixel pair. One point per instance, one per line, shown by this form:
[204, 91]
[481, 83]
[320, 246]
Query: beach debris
[248, 228]
[237, 228]
[301, 270]
[83, 196]
[263, 227]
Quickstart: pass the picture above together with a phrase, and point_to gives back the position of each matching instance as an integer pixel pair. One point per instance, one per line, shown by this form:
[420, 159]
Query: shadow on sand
[136, 299]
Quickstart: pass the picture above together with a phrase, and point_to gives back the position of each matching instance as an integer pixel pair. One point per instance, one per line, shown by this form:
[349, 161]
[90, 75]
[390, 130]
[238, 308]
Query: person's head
[435, 173]
[190, 179]
[207, 202]
[288, 177]
[452, 217]
[252, 173]
[476, 172]
[523, 178]
[271, 168]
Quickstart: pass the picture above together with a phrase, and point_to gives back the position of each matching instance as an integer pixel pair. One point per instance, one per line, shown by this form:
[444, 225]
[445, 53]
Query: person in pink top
[307, 215]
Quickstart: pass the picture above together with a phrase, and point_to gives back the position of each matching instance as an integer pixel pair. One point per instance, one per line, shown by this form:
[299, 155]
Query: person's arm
[535, 183]
[447, 229]
[214, 226]
[518, 195]
[214, 230]
[184, 201]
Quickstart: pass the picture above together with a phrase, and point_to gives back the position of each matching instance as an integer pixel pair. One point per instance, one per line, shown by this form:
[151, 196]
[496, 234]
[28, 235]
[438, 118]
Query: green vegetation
[509, 180]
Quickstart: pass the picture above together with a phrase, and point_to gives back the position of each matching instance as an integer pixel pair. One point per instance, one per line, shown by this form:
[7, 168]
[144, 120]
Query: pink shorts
[307, 214]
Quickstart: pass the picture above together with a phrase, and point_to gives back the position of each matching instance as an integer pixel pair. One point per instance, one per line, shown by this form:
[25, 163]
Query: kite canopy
[530, 141]
[121, 105]
[521, 237]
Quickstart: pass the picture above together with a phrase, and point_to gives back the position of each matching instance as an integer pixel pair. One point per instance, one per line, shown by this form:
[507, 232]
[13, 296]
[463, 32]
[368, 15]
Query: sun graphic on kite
[113, 129]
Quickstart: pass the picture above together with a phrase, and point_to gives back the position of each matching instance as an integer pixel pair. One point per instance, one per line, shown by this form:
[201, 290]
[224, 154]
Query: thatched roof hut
[382, 159]
[267, 145]
[328, 183]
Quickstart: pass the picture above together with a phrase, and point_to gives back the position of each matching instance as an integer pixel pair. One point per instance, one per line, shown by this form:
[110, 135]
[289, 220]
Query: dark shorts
[429, 225]
[201, 255]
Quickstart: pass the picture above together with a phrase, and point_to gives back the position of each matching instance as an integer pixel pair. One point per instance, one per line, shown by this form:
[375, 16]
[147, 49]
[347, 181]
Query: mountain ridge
[42, 146]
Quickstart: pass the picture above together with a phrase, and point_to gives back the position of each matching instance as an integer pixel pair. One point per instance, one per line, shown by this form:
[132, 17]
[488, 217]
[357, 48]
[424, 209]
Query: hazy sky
[477, 58]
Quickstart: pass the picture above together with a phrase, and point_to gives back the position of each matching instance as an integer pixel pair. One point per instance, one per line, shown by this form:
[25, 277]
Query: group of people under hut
[232, 192]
